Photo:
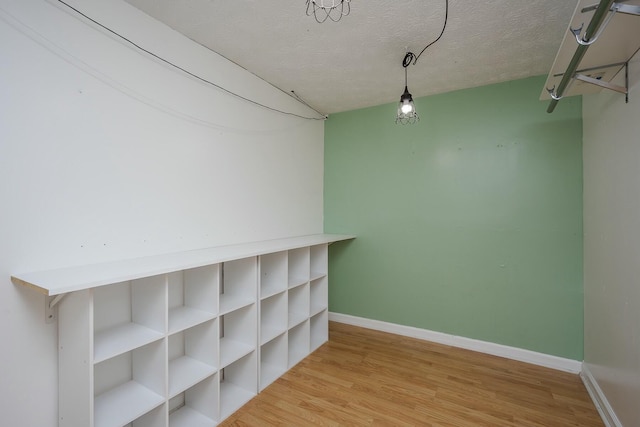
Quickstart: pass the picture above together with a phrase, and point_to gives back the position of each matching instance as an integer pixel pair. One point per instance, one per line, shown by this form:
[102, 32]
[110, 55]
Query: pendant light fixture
[406, 108]
[407, 113]
[328, 9]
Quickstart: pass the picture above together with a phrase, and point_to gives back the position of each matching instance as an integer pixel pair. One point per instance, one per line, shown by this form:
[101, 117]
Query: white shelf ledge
[315, 275]
[235, 302]
[61, 281]
[187, 417]
[317, 309]
[269, 292]
[231, 350]
[181, 318]
[294, 282]
[269, 373]
[269, 332]
[123, 404]
[115, 341]
[232, 397]
[296, 318]
[185, 372]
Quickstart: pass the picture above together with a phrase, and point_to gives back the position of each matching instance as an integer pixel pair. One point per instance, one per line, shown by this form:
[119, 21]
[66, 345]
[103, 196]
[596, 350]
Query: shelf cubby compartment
[197, 406]
[193, 296]
[298, 266]
[273, 317]
[128, 315]
[273, 273]
[273, 360]
[192, 356]
[298, 343]
[319, 261]
[298, 302]
[238, 384]
[319, 329]
[319, 291]
[238, 334]
[239, 284]
[155, 418]
[130, 385]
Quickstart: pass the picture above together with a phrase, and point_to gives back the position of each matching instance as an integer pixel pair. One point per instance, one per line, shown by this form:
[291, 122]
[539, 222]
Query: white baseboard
[599, 399]
[528, 356]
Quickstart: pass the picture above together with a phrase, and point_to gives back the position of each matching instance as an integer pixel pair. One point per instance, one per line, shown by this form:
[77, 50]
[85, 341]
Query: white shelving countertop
[61, 281]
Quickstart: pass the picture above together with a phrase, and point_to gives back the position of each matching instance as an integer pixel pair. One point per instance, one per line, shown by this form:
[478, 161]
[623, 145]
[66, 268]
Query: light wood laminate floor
[363, 377]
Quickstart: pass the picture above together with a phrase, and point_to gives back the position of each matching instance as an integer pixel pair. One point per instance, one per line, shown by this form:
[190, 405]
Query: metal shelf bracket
[50, 309]
[606, 85]
[597, 82]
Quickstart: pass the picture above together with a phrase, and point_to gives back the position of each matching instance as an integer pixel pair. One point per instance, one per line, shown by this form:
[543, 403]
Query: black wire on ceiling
[184, 70]
[412, 57]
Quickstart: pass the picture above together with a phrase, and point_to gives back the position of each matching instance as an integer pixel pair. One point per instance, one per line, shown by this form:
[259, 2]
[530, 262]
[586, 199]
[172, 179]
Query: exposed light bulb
[406, 109]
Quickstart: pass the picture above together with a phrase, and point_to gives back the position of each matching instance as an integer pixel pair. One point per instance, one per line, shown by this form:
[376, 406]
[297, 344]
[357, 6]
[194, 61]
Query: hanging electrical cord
[406, 113]
[184, 70]
[293, 92]
[411, 57]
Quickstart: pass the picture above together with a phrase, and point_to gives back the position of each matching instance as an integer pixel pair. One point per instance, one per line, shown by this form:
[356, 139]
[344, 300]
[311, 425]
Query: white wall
[107, 153]
[612, 246]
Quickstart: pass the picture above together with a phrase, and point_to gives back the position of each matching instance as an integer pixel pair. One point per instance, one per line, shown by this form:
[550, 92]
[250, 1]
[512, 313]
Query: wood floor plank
[363, 377]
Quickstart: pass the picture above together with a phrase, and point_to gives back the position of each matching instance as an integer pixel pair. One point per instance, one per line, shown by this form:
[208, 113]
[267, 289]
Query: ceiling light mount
[328, 9]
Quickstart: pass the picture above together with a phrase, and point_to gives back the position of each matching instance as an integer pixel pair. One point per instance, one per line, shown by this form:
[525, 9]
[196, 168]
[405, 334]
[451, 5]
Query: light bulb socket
[406, 96]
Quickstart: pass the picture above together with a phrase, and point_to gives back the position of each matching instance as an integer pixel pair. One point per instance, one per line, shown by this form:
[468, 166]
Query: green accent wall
[467, 223]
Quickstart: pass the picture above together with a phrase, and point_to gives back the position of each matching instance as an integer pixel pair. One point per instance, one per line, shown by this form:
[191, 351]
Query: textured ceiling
[357, 62]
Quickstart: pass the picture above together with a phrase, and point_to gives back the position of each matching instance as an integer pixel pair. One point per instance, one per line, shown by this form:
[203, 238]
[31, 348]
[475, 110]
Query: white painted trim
[605, 410]
[528, 356]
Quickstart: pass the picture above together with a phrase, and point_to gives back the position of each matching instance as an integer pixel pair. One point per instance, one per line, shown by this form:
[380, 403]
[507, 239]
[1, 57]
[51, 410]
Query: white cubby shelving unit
[184, 339]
